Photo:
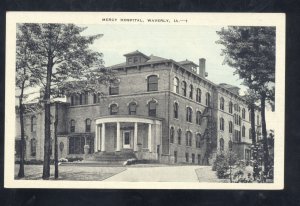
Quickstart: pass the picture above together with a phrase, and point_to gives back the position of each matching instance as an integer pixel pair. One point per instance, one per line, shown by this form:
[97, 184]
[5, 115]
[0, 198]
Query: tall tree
[251, 51]
[26, 77]
[63, 55]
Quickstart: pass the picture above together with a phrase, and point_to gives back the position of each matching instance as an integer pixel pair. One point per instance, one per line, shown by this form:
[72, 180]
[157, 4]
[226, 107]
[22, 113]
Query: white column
[118, 136]
[96, 139]
[99, 138]
[103, 137]
[149, 138]
[135, 137]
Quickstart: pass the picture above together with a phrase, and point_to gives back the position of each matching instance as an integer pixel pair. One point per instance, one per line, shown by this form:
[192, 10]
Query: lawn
[85, 173]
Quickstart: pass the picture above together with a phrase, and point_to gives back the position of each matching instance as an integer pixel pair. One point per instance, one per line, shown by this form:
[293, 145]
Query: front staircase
[105, 158]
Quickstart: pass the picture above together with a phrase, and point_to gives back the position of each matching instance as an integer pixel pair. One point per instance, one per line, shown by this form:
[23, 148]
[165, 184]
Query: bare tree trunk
[22, 145]
[46, 165]
[264, 133]
[252, 114]
[55, 142]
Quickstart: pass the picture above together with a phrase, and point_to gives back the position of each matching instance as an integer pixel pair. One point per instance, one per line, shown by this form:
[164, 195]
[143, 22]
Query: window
[240, 120]
[188, 138]
[249, 116]
[222, 144]
[179, 136]
[230, 107]
[184, 88]
[198, 118]
[222, 103]
[152, 83]
[113, 90]
[33, 123]
[243, 131]
[250, 133]
[230, 145]
[76, 145]
[189, 113]
[33, 147]
[193, 158]
[243, 113]
[72, 123]
[132, 108]
[207, 99]
[237, 136]
[114, 109]
[96, 98]
[172, 131]
[80, 99]
[191, 91]
[187, 157]
[198, 95]
[221, 124]
[198, 140]
[86, 98]
[176, 85]
[88, 125]
[135, 60]
[230, 126]
[176, 110]
[152, 109]
[257, 119]
[72, 100]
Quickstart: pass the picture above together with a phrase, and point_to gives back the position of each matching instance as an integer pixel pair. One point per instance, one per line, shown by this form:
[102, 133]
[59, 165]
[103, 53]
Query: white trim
[132, 101]
[153, 74]
[114, 119]
[153, 99]
[113, 102]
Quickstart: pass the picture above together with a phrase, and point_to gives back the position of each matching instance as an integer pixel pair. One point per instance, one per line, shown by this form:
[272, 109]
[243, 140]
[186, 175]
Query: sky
[171, 42]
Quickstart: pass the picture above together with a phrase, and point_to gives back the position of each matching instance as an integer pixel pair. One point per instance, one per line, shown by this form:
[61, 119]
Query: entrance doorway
[126, 139]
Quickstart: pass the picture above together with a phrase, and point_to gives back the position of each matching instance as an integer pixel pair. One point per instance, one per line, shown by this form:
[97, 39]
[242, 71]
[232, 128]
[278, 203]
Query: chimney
[202, 72]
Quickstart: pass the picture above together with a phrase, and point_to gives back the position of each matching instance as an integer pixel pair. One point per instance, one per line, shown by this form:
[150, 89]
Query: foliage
[223, 162]
[74, 159]
[60, 54]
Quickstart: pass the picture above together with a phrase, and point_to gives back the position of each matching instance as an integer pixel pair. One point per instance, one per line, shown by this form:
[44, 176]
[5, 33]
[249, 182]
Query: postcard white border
[203, 19]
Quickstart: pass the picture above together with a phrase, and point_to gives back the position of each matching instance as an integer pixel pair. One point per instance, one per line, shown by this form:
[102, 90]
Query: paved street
[158, 174]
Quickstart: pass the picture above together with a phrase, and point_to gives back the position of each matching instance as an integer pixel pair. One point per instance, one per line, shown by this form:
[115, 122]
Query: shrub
[222, 164]
[74, 159]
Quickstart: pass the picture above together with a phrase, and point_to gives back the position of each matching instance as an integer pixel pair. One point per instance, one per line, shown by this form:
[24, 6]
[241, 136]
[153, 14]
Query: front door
[126, 139]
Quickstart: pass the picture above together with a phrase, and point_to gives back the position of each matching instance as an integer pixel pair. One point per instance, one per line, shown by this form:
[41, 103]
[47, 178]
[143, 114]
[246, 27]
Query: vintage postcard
[144, 100]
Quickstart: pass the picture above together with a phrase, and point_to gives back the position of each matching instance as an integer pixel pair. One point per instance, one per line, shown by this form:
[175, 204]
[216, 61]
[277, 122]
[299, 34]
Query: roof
[187, 62]
[151, 59]
[228, 86]
[137, 52]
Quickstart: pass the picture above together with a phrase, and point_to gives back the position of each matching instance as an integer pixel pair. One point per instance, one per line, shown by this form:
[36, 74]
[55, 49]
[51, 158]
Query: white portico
[117, 132]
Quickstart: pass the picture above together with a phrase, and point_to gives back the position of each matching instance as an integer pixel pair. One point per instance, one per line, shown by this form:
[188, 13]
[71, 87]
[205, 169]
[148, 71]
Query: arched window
[188, 138]
[243, 131]
[191, 91]
[243, 113]
[198, 117]
[257, 117]
[198, 95]
[179, 136]
[72, 100]
[184, 88]
[72, 125]
[172, 131]
[230, 107]
[230, 145]
[222, 103]
[176, 110]
[198, 140]
[230, 126]
[176, 85]
[152, 109]
[221, 124]
[132, 108]
[152, 83]
[207, 99]
[114, 109]
[88, 123]
[189, 114]
[33, 123]
[222, 144]
[33, 147]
